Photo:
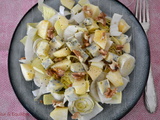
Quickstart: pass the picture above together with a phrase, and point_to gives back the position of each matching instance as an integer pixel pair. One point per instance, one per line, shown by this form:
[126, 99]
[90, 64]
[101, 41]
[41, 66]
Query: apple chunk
[27, 71]
[59, 113]
[42, 27]
[100, 38]
[115, 78]
[68, 3]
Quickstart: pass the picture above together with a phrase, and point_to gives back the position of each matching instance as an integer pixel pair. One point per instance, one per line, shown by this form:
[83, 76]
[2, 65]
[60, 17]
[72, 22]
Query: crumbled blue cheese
[83, 54]
[56, 42]
[73, 44]
[77, 67]
[54, 86]
[70, 94]
[93, 49]
[122, 39]
[47, 63]
[42, 48]
[103, 85]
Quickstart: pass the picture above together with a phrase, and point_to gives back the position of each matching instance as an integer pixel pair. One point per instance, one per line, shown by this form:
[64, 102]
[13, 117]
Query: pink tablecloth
[11, 11]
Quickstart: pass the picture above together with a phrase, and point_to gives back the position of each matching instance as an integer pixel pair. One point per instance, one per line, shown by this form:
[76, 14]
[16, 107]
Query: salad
[77, 57]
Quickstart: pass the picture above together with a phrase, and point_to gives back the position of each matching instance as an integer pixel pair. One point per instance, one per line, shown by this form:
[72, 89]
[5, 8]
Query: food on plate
[77, 57]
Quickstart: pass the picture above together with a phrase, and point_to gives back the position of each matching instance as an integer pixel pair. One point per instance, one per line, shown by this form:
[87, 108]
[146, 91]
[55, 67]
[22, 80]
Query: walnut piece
[50, 72]
[22, 58]
[59, 72]
[58, 59]
[76, 115]
[57, 104]
[78, 75]
[87, 11]
[101, 18]
[110, 92]
[50, 33]
[119, 47]
[103, 52]
[77, 53]
[113, 66]
[55, 71]
[86, 39]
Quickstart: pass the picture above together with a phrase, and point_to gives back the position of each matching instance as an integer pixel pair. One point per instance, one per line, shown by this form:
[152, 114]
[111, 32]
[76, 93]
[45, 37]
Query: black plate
[138, 78]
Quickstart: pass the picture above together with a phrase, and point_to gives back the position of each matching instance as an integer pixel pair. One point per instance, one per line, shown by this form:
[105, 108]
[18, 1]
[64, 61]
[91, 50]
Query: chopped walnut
[78, 75]
[58, 59]
[57, 104]
[50, 33]
[76, 115]
[103, 52]
[103, 35]
[114, 66]
[87, 11]
[41, 101]
[110, 92]
[77, 53]
[50, 72]
[119, 47]
[59, 72]
[86, 36]
[22, 58]
[101, 18]
[86, 39]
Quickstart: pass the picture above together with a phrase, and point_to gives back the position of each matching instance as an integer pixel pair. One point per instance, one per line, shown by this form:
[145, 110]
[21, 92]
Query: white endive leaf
[29, 53]
[114, 25]
[97, 59]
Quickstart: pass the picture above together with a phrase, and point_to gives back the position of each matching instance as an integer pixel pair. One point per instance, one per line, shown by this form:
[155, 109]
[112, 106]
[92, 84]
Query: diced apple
[42, 48]
[62, 52]
[92, 27]
[36, 63]
[83, 2]
[43, 27]
[59, 113]
[115, 78]
[94, 10]
[109, 57]
[80, 86]
[100, 38]
[76, 9]
[68, 3]
[94, 72]
[64, 64]
[126, 48]
[27, 71]
[63, 22]
[48, 12]
[58, 28]
[48, 99]
[123, 26]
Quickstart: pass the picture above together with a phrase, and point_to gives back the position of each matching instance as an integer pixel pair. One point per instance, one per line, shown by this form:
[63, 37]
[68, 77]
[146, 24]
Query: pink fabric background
[11, 11]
